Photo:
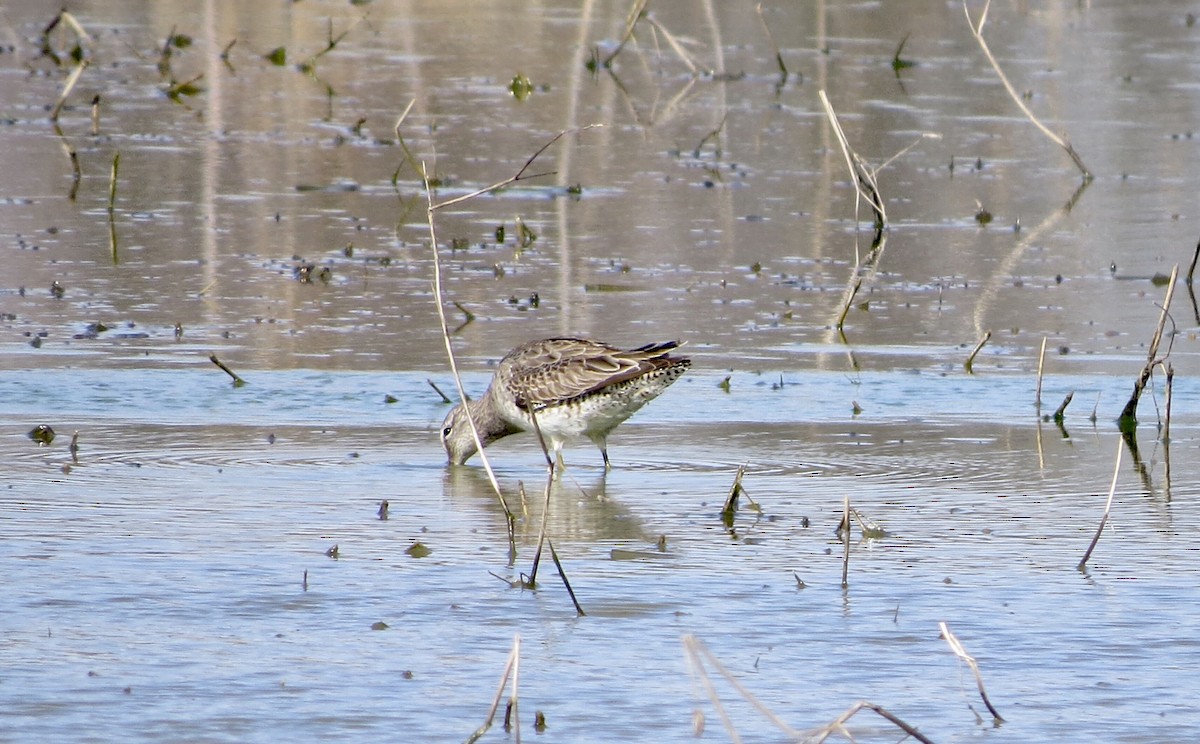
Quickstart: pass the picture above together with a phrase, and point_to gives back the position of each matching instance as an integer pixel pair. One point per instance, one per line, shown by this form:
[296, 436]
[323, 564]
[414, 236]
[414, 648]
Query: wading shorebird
[574, 387]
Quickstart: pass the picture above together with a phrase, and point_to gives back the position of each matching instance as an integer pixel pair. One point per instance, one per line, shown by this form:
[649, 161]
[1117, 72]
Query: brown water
[155, 584]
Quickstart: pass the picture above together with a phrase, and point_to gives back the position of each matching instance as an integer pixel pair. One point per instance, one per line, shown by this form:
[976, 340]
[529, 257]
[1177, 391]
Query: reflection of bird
[573, 387]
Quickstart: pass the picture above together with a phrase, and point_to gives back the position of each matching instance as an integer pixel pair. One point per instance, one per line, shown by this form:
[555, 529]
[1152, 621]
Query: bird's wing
[553, 371]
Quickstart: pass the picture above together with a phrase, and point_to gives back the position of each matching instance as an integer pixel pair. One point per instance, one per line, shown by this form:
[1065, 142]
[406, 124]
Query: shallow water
[170, 580]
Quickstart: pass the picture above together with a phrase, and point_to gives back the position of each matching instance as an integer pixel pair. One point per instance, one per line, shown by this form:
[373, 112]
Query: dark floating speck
[42, 434]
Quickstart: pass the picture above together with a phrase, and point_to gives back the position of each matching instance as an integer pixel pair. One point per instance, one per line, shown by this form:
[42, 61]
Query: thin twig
[520, 176]
[957, 647]
[1107, 507]
[977, 32]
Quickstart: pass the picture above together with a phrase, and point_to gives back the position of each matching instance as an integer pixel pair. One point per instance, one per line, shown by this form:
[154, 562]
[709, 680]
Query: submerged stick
[1037, 398]
[1128, 417]
[1107, 507]
[237, 381]
[438, 390]
[978, 347]
[961, 653]
[731, 501]
[977, 32]
[1061, 412]
[1192, 268]
[112, 183]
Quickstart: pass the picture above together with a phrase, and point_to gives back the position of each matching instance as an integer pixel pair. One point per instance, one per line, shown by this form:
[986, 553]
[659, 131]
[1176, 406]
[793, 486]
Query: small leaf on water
[42, 434]
[379, 625]
[277, 56]
[180, 41]
[390, 399]
[418, 550]
[332, 552]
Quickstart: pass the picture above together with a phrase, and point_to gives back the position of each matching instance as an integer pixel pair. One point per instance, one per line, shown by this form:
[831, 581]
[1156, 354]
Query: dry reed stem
[866, 186]
[563, 575]
[511, 668]
[1128, 417]
[635, 13]
[977, 32]
[412, 161]
[674, 44]
[698, 655]
[970, 363]
[73, 156]
[1037, 398]
[70, 85]
[1169, 369]
[441, 312]
[774, 46]
[961, 653]
[1107, 507]
[865, 183]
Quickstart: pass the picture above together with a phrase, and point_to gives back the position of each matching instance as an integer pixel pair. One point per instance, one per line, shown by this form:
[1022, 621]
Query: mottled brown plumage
[575, 387]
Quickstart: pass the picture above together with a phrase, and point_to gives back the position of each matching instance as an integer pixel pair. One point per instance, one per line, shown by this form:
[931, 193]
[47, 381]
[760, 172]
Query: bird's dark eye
[446, 432]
